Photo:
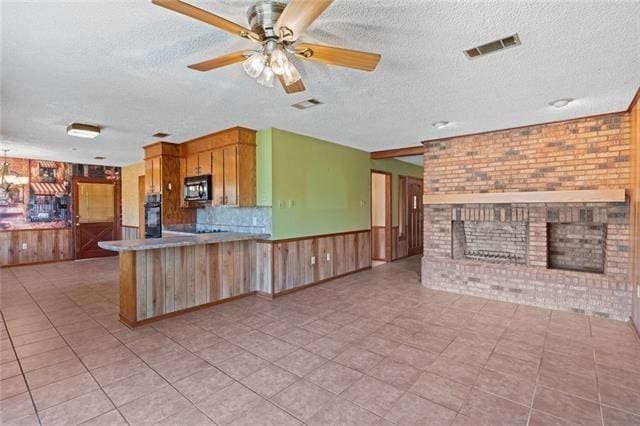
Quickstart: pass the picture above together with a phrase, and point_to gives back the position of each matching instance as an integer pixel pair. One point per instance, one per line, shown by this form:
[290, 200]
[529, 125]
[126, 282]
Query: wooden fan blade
[364, 61]
[299, 14]
[220, 61]
[296, 87]
[207, 17]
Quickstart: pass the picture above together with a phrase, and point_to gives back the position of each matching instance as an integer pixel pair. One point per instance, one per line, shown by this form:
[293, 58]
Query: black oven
[197, 188]
[153, 216]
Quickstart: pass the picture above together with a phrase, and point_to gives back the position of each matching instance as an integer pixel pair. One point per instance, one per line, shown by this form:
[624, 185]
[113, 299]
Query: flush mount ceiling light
[561, 103]
[440, 124]
[276, 27]
[83, 130]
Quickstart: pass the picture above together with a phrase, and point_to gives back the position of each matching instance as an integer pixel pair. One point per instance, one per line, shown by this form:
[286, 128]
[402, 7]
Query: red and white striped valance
[47, 188]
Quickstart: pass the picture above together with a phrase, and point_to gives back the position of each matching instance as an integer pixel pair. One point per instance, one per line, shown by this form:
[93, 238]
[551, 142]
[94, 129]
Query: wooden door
[217, 176]
[230, 175]
[414, 216]
[192, 165]
[96, 206]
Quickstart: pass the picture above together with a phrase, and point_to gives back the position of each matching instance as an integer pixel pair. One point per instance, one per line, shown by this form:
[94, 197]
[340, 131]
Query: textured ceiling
[122, 65]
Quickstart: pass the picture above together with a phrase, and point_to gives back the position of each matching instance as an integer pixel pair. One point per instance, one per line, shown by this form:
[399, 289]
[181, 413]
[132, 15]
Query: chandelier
[7, 179]
[269, 62]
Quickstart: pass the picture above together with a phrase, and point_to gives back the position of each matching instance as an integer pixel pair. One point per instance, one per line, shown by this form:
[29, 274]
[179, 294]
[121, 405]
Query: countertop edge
[178, 241]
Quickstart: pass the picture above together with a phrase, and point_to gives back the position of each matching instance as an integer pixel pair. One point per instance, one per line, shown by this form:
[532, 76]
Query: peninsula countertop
[179, 239]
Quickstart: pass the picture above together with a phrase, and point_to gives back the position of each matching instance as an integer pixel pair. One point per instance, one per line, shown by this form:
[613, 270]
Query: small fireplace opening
[577, 246]
[490, 241]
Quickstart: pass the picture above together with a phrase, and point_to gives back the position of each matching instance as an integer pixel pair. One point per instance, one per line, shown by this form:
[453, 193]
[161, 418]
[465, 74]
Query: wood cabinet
[228, 156]
[163, 175]
[153, 174]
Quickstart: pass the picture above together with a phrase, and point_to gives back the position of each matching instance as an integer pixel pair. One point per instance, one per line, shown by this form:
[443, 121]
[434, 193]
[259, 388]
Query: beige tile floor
[371, 348]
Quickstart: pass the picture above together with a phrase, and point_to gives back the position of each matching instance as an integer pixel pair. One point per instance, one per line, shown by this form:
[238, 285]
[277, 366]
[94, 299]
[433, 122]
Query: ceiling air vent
[160, 135]
[494, 46]
[309, 103]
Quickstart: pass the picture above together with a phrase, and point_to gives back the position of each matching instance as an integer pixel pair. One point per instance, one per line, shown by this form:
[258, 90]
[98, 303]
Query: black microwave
[197, 188]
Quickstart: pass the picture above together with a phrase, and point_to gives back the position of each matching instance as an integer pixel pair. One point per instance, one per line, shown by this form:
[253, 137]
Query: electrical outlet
[290, 203]
[328, 257]
[24, 246]
[313, 260]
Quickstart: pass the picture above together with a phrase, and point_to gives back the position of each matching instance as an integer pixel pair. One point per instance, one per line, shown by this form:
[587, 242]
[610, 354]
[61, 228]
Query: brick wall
[576, 246]
[591, 153]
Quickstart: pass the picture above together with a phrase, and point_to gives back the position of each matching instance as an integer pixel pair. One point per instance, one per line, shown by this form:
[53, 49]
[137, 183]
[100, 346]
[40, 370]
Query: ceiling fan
[276, 27]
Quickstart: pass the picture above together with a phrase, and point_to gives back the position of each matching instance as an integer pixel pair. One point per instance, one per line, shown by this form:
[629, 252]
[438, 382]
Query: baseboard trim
[134, 324]
[43, 262]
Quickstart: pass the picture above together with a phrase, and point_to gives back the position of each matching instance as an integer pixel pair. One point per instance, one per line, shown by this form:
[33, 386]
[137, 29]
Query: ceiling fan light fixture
[291, 74]
[267, 77]
[279, 62]
[254, 64]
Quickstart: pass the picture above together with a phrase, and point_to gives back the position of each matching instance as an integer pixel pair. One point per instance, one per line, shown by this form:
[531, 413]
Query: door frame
[117, 217]
[421, 209]
[388, 214]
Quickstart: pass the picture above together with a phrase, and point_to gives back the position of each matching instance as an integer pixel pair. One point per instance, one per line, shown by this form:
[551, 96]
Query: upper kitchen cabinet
[230, 157]
[163, 176]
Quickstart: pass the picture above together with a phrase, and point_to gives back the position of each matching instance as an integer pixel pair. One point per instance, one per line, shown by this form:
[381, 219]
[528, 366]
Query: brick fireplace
[554, 243]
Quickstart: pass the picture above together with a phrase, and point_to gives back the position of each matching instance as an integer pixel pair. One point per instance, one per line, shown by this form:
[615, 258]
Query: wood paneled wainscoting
[157, 283]
[130, 232]
[291, 264]
[41, 245]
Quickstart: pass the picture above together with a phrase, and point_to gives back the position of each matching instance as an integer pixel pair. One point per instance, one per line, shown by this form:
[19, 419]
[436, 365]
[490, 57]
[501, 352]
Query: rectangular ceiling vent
[309, 103]
[494, 46]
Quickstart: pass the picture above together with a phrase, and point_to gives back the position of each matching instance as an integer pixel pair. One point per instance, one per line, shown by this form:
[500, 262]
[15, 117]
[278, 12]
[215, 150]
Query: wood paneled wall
[43, 245]
[130, 232]
[291, 264]
[634, 190]
[168, 280]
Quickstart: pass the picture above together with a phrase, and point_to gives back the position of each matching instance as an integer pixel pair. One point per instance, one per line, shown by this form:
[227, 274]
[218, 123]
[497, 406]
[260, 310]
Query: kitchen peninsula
[163, 276]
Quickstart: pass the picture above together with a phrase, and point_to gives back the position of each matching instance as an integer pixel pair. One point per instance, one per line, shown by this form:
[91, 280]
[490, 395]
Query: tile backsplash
[237, 219]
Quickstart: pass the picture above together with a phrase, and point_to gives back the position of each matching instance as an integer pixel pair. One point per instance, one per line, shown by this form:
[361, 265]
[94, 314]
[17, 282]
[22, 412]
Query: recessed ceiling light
[561, 103]
[439, 124]
[83, 130]
[99, 158]
[309, 103]
[74, 149]
[160, 135]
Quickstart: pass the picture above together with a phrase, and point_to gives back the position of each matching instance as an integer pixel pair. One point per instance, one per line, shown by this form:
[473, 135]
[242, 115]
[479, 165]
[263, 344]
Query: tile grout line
[79, 359]
[24, 379]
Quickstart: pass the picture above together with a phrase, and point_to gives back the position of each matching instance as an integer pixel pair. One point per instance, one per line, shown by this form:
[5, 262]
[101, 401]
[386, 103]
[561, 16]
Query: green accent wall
[396, 168]
[264, 195]
[317, 187]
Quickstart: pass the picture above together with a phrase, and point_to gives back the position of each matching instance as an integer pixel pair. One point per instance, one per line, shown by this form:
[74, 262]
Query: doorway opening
[96, 208]
[381, 216]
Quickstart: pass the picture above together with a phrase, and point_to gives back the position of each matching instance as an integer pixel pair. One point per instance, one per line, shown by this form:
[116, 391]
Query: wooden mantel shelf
[580, 196]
